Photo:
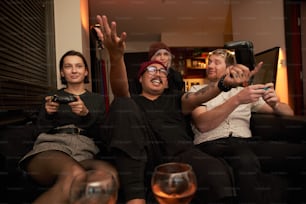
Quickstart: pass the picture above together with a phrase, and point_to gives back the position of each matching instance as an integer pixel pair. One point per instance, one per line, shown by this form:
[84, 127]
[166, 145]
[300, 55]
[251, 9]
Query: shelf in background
[191, 61]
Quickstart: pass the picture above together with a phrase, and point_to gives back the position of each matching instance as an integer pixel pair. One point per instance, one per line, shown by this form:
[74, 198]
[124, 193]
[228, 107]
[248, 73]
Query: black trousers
[136, 151]
[258, 165]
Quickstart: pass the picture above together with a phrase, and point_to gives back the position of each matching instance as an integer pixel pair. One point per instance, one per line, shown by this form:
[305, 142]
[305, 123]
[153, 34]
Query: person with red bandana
[149, 128]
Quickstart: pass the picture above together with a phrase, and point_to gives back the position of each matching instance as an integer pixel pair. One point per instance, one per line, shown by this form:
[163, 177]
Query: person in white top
[221, 128]
[229, 113]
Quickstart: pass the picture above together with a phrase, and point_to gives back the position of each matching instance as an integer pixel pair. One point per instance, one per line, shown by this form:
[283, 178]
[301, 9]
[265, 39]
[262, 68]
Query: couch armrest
[273, 127]
[16, 140]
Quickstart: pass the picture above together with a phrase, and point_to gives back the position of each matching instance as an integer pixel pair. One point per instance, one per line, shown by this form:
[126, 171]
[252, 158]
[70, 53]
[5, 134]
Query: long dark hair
[73, 53]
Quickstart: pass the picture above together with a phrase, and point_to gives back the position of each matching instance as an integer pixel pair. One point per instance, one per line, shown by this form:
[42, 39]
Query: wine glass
[94, 187]
[173, 183]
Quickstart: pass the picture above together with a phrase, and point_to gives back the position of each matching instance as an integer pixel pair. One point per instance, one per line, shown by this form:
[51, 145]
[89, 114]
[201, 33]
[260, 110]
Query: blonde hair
[228, 55]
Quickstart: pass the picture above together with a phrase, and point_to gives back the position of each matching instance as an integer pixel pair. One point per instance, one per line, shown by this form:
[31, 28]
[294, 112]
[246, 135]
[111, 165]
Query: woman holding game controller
[221, 128]
[66, 126]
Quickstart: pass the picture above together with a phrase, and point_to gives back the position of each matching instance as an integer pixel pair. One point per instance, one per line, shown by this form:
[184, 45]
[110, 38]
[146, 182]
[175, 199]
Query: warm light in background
[281, 86]
[84, 16]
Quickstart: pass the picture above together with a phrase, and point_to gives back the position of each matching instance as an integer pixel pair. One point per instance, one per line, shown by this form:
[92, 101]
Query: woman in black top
[66, 126]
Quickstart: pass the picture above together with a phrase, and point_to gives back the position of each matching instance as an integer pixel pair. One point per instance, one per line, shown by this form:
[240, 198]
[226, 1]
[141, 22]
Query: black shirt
[166, 121]
[95, 104]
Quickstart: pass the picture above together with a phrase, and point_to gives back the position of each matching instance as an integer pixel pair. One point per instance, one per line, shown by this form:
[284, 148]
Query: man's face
[216, 67]
[154, 79]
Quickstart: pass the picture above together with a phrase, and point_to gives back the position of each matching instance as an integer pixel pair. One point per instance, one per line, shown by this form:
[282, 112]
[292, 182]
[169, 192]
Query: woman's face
[163, 56]
[216, 67]
[74, 70]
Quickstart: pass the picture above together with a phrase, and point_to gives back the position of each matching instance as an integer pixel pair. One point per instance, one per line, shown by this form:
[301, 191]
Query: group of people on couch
[145, 129]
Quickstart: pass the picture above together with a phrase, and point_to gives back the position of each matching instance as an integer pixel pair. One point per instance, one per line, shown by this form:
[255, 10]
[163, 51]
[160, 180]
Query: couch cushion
[272, 127]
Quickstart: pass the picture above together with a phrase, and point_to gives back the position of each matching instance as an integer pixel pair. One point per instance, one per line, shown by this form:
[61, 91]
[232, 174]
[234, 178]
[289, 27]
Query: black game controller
[63, 99]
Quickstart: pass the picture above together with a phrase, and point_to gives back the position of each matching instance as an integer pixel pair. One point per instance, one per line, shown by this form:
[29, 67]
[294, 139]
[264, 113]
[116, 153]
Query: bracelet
[222, 86]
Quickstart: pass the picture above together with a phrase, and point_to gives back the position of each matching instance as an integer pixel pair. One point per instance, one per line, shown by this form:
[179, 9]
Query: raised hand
[240, 75]
[108, 35]
[116, 47]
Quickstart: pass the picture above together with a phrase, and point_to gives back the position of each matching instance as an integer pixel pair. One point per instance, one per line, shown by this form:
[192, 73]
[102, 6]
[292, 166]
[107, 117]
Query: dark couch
[17, 139]
[282, 129]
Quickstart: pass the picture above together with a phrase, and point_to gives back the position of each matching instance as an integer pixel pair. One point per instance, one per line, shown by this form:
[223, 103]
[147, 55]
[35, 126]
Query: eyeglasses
[153, 70]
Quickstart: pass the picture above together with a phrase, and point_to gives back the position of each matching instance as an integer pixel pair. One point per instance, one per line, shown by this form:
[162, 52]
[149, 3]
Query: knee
[67, 177]
[72, 171]
[108, 168]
